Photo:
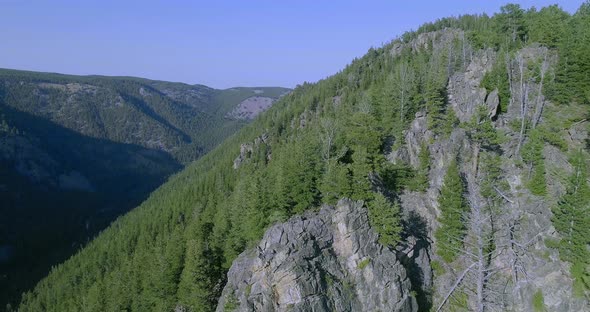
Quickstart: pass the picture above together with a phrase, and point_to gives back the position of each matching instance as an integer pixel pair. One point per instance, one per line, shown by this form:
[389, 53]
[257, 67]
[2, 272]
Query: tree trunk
[540, 103]
[523, 103]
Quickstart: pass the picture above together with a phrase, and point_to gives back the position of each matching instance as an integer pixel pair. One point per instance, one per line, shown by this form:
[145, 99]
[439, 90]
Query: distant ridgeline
[78, 151]
[464, 144]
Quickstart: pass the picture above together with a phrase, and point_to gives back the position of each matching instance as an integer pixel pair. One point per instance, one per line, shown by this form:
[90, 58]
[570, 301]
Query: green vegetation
[183, 120]
[384, 217]
[572, 220]
[556, 119]
[206, 215]
[497, 79]
[232, 304]
[76, 152]
[421, 180]
[437, 268]
[538, 301]
[481, 130]
[363, 264]
[453, 206]
[460, 301]
[572, 80]
[325, 141]
[532, 154]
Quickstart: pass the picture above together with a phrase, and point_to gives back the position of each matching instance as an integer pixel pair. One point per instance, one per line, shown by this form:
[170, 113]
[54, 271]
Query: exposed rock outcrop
[246, 150]
[465, 94]
[324, 261]
[525, 218]
[251, 107]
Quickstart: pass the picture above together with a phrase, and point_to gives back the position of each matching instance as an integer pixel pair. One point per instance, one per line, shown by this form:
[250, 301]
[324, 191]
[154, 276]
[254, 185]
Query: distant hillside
[179, 119]
[78, 151]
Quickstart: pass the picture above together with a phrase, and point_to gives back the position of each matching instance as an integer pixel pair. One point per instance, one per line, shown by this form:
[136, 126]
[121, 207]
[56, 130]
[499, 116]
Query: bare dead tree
[455, 285]
[540, 103]
[524, 93]
[476, 276]
[493, 235]
[480, 236]
[329, 128]
[464, 48]
[509, 70]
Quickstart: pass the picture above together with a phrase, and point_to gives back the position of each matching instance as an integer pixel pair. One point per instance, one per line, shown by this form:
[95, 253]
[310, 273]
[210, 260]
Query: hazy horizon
[220, 45]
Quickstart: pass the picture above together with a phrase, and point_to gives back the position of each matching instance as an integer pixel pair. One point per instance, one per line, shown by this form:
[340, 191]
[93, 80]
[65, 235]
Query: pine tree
[572, 220]
[336, 182]
[572, 79]
[452, 204]
[421, 181]
[198, 287]
[385, 220]
[510, 21]
[548, 26]
[532, 154]
[361, 168]
[365, 138]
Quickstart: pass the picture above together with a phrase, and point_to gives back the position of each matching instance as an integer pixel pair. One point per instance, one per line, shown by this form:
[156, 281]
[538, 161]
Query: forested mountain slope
[467, 143]
[78, 151]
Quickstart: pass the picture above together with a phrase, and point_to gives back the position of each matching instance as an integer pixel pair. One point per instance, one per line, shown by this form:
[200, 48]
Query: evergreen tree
[361, 169]
[336, 182]
[511, 22]
[547, 26]
[421, 180]
[300, 173]
[497, 79]
[572, 220]
[385, 220]
[201, 277]
[532, 154]
[572, 79]
[449, 236]
[307, 163]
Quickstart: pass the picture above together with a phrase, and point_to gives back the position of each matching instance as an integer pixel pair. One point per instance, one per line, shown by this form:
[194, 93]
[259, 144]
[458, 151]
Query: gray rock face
[324, 261]
[251, 107]
[246, 150]
[525, 218]
[493, 103]
[465, 95]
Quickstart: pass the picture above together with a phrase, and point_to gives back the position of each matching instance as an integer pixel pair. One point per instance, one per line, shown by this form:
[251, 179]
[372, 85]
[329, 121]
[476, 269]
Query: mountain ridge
[447, 135]
[78, 151]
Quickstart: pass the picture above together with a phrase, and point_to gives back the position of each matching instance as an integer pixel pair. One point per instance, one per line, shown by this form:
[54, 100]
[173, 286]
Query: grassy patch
[538, 301]
[363, 264]
[231, 304]
[437, 268]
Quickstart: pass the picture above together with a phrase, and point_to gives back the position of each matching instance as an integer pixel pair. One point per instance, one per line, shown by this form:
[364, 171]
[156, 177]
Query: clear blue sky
[217, 43]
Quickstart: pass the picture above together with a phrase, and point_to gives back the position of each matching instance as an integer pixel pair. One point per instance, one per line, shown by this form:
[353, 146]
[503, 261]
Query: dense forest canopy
[325, 141]
[76, 152]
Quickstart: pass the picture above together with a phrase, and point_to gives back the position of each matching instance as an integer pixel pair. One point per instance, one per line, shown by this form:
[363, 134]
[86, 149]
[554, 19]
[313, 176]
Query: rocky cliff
[307, 263]
[463, 145]
[322, 261]
[519, 222]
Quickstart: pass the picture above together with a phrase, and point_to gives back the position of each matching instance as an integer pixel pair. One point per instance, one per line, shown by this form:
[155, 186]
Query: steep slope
[325, 261]
[76, 152]
[182, 120]
[456, 139]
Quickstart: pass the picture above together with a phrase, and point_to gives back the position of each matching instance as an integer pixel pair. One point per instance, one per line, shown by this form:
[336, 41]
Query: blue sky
[217, 43]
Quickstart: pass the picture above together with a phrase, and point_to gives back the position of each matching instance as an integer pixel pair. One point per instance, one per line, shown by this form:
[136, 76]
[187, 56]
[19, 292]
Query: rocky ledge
[322, 261]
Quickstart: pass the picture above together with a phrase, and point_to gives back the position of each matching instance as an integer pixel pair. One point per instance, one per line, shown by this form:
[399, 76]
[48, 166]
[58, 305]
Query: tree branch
[457, 282]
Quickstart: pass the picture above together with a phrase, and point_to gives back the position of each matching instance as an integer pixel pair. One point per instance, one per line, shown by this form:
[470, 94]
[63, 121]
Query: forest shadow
[43, 224]
[416, 231]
